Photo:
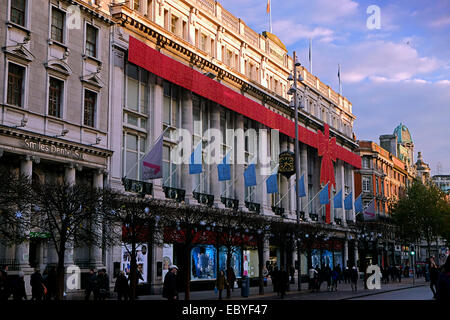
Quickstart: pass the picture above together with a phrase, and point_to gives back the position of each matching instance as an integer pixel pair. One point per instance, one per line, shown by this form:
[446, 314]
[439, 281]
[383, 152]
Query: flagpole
[314, 197]
[340, 85]
[145, 153]
[284, 195]
[310, 56]
[270, 16]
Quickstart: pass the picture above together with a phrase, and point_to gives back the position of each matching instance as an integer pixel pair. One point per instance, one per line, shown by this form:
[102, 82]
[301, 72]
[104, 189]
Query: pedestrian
[327, 277]
[346, 274]
[4, 287]
[91, 285]
[121, 286]
[231, 278]
[313, 275]
[427, 270]
[320, 277]
[335, 279]
[434, 275]
[37, 285]
[339, 272]
[170, 291]
[275, 280]
[354, 278]
[399, 273]
[292, 274]
[50, 283]
[283, 282]
[102, 285]
[443, 283]
[18, 288]
[265, 274]
[221, 282]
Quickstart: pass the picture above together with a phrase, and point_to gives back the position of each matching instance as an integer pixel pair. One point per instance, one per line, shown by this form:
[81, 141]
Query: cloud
[331, 11]
[290, 32]
[440, 22]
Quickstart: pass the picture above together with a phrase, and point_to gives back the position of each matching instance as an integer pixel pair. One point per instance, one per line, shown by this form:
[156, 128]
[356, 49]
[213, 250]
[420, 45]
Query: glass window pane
[132, 94]
[131, 142]
[144, 98]
[166, 153]
[132, 120]
[131, 167]
[143, 123]
[142, 144]
[167, 108]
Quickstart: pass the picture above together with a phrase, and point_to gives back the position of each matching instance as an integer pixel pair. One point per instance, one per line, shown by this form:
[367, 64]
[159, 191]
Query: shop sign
[53, 149]
[286, 161]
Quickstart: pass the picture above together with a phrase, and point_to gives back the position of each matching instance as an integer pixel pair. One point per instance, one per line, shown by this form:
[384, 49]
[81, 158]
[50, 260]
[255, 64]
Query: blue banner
[348, 202]
[195, 165]
[323, 196]
[338, 200]
[358, 204]
[250, 175]
[224, 169]
[301, 186]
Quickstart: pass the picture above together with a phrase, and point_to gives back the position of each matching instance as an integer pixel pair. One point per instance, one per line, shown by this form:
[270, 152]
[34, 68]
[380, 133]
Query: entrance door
[34, 253]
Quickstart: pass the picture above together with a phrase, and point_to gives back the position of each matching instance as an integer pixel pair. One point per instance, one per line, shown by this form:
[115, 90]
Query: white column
[341, 168]
[96, 251]
[345, 252]
[156, 112]
[188, 124]
[69, 178]
[304, 171]
[352, 175]
[239, 189]
[356, 252]
[213, 178]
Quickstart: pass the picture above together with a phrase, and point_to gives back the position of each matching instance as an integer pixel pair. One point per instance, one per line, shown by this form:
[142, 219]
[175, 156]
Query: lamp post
[297, 164]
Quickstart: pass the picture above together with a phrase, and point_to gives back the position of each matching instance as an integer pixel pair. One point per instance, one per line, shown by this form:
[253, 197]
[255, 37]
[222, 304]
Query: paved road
[418, 293]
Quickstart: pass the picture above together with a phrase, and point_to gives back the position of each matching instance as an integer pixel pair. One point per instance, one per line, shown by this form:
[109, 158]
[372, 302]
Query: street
[418, 293]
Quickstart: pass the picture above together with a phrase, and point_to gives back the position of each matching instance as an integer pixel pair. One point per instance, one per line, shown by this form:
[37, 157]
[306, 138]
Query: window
[91, 41]
[133, 151]
[57, 28]
[55, 93]
[16, 76]
[229, 58]
[90, 101]
[166, 19]
[170, 172]
[171, 105]
[366, 162]
[366, 184]
[174, 25]
[185, 31]
[136, 4]
[376, 186]
[203, 40]
[137, 89]
[18, 8]
[201, 125]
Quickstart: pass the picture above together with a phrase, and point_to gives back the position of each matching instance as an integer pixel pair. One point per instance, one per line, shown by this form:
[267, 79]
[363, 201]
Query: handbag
[45, 289]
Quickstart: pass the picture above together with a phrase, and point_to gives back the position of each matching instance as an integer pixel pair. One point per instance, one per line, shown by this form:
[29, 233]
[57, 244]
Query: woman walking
[221, 282]
[434, 274]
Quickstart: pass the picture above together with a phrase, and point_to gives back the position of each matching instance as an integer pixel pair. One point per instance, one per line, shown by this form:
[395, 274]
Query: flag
[301, 189]
[310, 55]
[268, 6]
[272, 182]
[224, 169]
[195, 166]
[323, 196]
[152, 161]
[358, 204]
[369, 212]
[348, 202]
[338, 200]
[250, 175]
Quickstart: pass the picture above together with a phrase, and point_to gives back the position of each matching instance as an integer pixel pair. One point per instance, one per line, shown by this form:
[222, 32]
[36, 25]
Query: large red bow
[327, 149]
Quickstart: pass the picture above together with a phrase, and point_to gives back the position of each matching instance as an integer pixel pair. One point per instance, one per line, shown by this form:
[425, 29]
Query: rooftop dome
[402, 133]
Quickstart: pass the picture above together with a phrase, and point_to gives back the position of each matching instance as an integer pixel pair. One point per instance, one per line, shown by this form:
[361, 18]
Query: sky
[397, 73]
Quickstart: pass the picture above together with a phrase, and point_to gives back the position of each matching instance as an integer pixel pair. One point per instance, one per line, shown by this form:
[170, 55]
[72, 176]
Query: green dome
[402, 133]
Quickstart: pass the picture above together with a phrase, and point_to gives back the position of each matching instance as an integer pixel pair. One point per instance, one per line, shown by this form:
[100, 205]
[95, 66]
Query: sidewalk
[344, 292]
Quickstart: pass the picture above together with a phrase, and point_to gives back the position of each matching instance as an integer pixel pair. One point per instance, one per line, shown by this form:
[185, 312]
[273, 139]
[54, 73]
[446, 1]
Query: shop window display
[235, 260]
[203, 262]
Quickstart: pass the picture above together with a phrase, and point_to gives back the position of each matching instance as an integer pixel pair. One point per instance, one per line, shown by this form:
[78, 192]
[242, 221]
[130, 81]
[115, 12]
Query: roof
[403, 134]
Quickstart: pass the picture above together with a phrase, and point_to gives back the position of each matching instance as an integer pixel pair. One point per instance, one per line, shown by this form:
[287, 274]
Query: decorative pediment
[92, 79]
[59, 66]
[19, 51]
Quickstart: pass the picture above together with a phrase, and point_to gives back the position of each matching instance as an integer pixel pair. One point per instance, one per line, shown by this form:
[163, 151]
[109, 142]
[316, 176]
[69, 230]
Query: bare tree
[67, 215]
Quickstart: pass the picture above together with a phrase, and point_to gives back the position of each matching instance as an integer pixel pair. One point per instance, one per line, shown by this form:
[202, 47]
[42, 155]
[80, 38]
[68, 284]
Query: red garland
[184, 76]
[327, 150]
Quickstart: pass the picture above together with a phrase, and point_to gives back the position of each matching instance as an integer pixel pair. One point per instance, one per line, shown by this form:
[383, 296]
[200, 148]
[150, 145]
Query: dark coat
[36, 282]
[283, 280]
[170, 286]
[354, 275]
[18, 289]
[443, 287]
[121, 285]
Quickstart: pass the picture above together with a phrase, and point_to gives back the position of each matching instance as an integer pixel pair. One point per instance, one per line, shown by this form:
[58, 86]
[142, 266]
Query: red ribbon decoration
[327, 149]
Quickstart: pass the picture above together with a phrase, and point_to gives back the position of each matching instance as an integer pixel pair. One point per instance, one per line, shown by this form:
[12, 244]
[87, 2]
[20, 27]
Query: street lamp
[294, 90]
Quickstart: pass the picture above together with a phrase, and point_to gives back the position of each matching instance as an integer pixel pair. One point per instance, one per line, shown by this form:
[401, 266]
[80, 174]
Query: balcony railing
[174, 193]
[204, 198]
[13, 264]
[140, 187]
[252, 206]
[230, 203]
[314, 216]
[279, 211]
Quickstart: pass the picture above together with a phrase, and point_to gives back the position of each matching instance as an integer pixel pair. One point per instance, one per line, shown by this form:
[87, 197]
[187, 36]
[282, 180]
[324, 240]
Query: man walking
[37, 285]
[354, 278]
[170, 291]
